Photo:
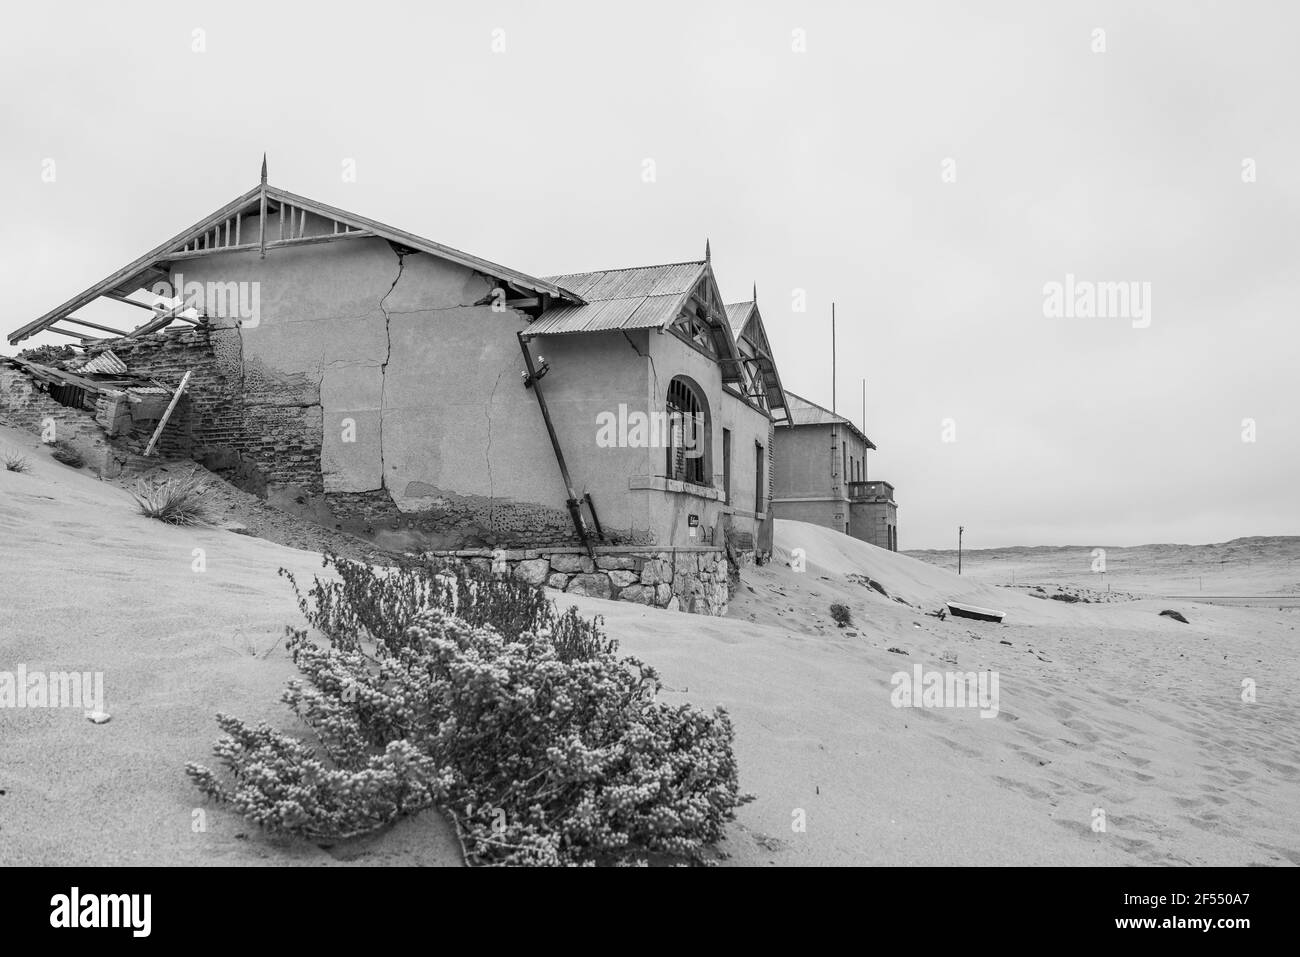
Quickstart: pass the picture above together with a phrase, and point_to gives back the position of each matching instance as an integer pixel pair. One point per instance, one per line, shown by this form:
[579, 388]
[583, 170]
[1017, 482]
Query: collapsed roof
[224, 231]
[71, 380]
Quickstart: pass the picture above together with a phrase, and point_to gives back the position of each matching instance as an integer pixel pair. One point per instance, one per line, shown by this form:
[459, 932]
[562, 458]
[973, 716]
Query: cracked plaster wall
[459, 456]
[350, 328]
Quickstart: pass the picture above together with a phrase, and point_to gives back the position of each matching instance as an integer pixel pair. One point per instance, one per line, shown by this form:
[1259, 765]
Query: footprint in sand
[1137, 775]
[1038, 794]
[1291, 855]
[238, 589]
[962, 749]
[1288, 771]
[1083, 729]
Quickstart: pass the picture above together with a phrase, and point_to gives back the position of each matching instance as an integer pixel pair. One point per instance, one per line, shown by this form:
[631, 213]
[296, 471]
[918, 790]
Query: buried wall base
[690, 578]
[876, 523]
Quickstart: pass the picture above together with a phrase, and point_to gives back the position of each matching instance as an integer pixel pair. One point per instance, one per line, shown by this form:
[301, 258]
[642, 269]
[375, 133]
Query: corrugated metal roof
[668, 279]
[643, 297]
[737, 316]
[106, 363]
[647, 312]
[803, 412]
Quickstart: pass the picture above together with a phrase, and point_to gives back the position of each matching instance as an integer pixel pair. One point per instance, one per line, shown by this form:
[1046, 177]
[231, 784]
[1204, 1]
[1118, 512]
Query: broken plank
[171, 406]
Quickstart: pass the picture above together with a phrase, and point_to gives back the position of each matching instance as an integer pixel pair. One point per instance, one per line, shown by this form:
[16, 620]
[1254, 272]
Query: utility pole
[960, 529]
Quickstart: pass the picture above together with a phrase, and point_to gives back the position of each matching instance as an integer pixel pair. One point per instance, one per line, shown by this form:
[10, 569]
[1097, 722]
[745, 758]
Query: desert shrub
[360, 603]
[14, 461]
[281, 785]
[62, 451]
[576, 639]
[441, 686]
[840, 615]
[176, 500]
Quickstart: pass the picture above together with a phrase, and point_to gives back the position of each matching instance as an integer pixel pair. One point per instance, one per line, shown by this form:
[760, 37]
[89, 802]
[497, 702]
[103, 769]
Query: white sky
[817, 171]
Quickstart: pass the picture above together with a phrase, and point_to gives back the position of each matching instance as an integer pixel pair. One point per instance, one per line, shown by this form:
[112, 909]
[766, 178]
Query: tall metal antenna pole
[833, 392]
[865, 450]
[960, 529]
[261, 229]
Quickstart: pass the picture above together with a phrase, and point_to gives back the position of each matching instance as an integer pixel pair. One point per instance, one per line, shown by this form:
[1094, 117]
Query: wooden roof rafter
[126, 279]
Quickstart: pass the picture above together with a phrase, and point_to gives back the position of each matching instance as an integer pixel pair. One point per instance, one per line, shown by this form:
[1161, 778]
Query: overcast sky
[928, 168]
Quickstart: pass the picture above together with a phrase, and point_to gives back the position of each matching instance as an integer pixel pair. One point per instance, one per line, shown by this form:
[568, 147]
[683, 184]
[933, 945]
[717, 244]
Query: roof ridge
[588, 272]
[795, 395]
[845, 420]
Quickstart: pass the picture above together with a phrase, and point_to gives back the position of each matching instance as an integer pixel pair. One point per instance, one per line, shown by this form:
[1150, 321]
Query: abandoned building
[821, 476]
[610, 433]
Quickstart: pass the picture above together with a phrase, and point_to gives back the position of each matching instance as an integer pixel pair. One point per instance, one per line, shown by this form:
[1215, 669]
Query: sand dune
[1101, 706]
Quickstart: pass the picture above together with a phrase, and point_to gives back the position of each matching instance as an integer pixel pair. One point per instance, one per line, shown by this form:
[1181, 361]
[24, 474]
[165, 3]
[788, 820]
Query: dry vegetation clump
[14, 461]
[63, 451]
[440, 686]
[176, 500]
[840, 615]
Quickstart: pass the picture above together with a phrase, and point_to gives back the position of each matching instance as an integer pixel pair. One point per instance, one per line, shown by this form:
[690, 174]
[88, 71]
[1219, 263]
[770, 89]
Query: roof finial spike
[708, 255]
[756, 292]
[263, 169]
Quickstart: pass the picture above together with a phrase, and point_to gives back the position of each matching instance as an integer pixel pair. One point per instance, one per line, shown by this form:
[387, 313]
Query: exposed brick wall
[285, 442]
[217, 422]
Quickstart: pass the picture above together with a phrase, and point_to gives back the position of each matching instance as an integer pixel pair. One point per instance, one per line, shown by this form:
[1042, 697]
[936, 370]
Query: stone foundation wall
[692, 579]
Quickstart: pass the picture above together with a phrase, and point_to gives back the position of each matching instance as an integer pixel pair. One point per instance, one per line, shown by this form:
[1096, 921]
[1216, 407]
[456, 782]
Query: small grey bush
[14, 461]
[178, 500]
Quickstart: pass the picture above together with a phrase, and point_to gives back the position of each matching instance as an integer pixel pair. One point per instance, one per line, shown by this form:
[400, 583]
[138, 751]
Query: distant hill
[1262, 564]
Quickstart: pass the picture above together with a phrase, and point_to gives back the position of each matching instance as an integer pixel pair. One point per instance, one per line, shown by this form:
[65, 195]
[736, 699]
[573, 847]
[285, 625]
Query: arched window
[688, 433]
